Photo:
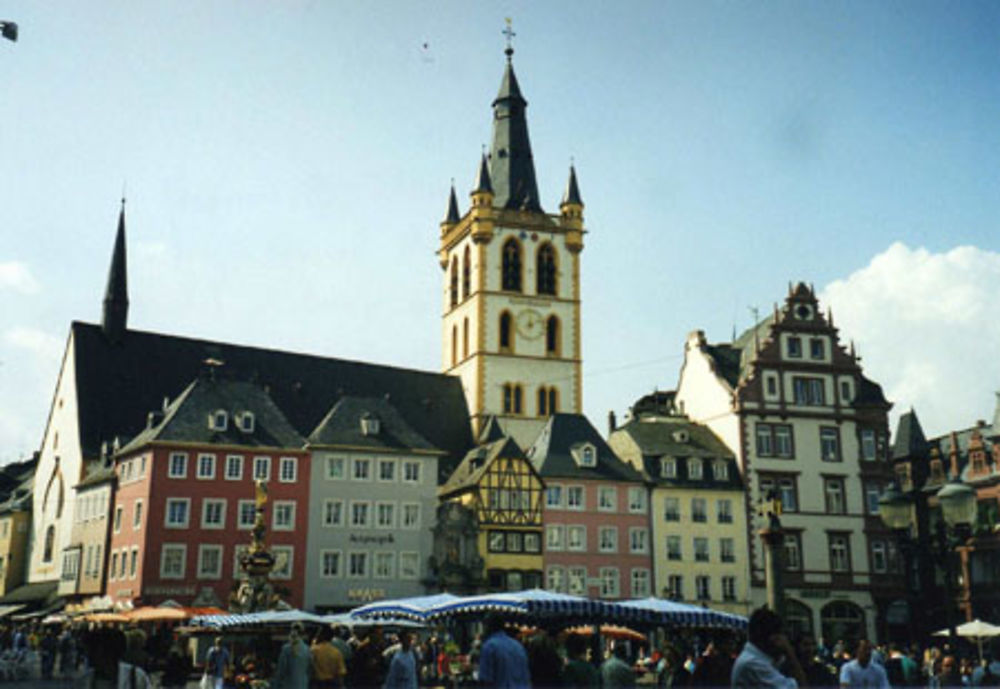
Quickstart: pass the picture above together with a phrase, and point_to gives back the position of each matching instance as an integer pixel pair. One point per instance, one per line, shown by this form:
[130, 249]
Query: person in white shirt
[863, 672]
[766, 648]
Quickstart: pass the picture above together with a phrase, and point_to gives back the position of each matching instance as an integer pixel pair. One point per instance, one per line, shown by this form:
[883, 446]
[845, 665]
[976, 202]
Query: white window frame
[336, 461]
[607, 499]
[729, 588]
[326, 504]
[703, 587]
[703, 512]
[240, 524]
[164, 574]
[640, 582]
[137, 514]
[205, 475]
[171, 468]
[404, 572]
[672, 540]
[368, 514]
[556, 491]
[610, 582]
[612, 545]
[167, 524]
[555, 579]
[671, 515]
[724, 511]
[348, 571]
[204, 548]
[283, 464]
[727, 549]
[386, 462]
[378, 514]
[402, 515]
[668, 467]
[205, 505]
[638, 540]
[720, 470]
[389, 573]
[582, 505]
[707, 550]
[638, 500]
[117, 523]
[238, 552]
[879, 550]
[555, 537]
[262, 461]
[279, 507]
[576, 528]
[323, 573]
[358, 462]
[696, 469]
[411, 464]
[230, 476]
[133, 562]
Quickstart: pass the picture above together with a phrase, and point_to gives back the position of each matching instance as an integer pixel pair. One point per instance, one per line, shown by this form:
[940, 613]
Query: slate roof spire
[115, 316]
[512, 168]
[451, 216]
[572, 193]
[910, 441]
[484, 184]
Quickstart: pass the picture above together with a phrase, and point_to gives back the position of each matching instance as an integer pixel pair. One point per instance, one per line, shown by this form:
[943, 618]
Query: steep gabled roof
[117, 385]
[910, 442]
[476, 463]
[342, 427]
[552, 452]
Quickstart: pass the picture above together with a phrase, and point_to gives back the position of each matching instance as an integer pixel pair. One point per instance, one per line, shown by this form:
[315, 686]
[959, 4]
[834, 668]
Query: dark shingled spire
[511, 166]
[484, 183]
[115, 317]
[910, 441]
[572, 193]
[452, 216]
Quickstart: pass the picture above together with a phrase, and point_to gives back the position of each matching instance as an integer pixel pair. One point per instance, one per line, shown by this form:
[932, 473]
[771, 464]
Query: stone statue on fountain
[255, 592]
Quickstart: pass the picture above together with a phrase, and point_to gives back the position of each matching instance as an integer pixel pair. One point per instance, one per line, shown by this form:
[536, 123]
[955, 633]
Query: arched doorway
[798, 619]
[842, 620]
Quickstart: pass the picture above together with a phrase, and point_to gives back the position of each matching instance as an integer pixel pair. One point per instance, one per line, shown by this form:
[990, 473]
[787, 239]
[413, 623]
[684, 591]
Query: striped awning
[415, 608]
[660, 611]
[536, 603]
[255, 619]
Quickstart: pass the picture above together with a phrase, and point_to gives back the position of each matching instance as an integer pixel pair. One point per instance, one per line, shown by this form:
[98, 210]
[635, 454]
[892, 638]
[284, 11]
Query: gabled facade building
[185, 502]
[596, 514]
[16, 480]
[697, 505]
[373, 495]
[502, 490]
[794, 406]
[84, 564]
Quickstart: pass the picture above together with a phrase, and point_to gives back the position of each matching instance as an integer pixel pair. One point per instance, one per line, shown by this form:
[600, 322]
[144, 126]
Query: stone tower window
[511, 278]
[545, 273]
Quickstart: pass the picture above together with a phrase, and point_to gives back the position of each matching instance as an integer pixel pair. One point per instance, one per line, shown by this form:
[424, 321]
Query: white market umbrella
[977, 629]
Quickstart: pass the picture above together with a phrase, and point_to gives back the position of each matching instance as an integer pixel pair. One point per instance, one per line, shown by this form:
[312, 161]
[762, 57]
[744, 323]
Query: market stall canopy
[255, 619]
[661, 611]
[536, 604]
[977, 629]
[612, 631]
[344, 619]
[169, 613]
[415, 608]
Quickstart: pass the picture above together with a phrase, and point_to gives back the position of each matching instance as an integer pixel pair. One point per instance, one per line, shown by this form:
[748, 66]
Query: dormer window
[668, 467]
[218, 420]
[720, 470]
[585, 455]
[681, 436]
[245, 421]
[369, 424]
[695, 469]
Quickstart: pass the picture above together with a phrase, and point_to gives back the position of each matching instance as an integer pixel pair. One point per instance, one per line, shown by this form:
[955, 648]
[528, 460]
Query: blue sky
[287, 164]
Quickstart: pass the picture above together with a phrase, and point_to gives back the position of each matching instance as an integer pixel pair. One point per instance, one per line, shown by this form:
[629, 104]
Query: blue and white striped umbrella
[672, 613]
[411, 608]
[535, 603]
[255, 619]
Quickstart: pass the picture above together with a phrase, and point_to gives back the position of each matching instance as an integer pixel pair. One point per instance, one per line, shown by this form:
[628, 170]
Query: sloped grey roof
[476, 462]
[186, 418]
[342, 427]
[552, 452]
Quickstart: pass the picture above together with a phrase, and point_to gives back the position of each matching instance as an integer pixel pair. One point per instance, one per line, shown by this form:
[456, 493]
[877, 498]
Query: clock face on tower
[529, 324]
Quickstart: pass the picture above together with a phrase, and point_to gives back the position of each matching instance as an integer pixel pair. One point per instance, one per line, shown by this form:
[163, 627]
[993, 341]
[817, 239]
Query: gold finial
[509, 33]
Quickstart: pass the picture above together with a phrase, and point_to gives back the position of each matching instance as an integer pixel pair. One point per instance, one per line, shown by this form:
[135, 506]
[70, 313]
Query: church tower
[511, 324]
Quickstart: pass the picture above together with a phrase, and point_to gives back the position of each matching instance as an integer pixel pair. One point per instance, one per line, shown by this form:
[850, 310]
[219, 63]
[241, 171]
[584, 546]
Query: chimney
[612, 422]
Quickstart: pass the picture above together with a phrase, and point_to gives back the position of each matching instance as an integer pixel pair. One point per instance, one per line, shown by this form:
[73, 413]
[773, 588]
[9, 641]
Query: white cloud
[927, 326]
[16, 276]
[29, 364]
[43, 345]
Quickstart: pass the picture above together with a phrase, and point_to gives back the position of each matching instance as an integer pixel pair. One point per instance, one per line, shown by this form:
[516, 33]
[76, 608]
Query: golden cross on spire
[509, 33]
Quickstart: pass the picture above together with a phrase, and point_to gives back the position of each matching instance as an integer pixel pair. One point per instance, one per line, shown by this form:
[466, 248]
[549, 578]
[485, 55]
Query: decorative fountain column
[255, 592]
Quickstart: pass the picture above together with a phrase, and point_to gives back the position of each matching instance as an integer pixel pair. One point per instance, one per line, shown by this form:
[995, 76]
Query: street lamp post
[958, 512]
[773, 537]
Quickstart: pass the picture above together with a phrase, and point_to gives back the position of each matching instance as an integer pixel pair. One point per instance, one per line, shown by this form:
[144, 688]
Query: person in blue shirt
[503, 662]
[403, 666]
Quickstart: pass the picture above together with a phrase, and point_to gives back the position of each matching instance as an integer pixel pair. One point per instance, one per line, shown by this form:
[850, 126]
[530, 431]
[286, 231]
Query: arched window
[842, 620]
[506, 332]
[454, 345]
[548, 401]
[511, 278]
[553, 401]
[465, 338]
[545, 270]
[50, 543]
[453, 287]
[543, 402]
[798, 618]
[552, 336]
[466, 274]
[512, 398]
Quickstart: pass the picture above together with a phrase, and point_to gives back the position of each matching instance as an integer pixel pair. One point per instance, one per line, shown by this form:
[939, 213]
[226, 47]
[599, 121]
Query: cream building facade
[804, 422]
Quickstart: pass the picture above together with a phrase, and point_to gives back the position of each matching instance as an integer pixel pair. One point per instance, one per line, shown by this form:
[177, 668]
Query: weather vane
[509, 33]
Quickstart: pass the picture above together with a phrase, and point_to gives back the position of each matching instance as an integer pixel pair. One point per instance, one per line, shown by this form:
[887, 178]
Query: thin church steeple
[115, 316]
[512, 168]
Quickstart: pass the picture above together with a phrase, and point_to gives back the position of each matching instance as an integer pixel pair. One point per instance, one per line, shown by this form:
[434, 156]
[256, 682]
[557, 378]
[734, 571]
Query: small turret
[451, 217]
[572, 204]
[482, 193]
[114, 320]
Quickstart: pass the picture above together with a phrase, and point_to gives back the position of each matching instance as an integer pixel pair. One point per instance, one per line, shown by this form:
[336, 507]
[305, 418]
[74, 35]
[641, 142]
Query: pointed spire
[512, 168]
[484, 184]
[115, 316]
[572, 193]
[910, 441]
[452, 216]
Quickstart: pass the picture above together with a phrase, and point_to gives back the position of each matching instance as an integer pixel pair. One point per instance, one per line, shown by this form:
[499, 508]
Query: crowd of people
[115, 657]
